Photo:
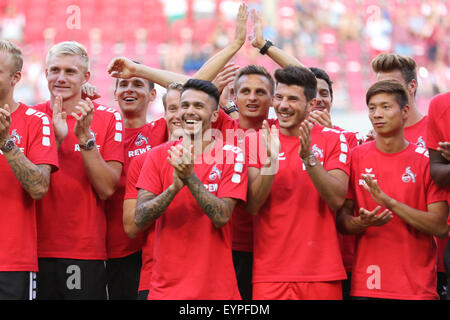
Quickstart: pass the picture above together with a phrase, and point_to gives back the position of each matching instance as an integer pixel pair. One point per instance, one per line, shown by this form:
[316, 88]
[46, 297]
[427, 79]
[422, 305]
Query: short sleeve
[150, 178]
[134, 170]
[41, 147]
[235, 178]
[338, 154]
[113, 147]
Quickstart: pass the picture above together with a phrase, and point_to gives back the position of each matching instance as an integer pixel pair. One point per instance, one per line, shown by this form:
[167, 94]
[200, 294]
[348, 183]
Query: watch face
[90, 144]
[8, 146]
[312, 161]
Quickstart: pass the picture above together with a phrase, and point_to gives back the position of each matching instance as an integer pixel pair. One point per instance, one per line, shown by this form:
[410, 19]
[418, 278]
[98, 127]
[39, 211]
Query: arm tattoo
[35, 179]
[150, 207]
[218, 210]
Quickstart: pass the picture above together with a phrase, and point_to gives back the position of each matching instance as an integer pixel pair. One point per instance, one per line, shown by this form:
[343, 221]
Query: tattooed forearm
[35, 179]
[150, 206]
[218, 210]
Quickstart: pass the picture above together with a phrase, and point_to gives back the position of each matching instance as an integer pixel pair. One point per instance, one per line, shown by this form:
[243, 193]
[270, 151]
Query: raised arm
[215, 64]
[125, 68]
[35, 179]
[260, 180]
[331, 185]
[279, 56]
[103, 175]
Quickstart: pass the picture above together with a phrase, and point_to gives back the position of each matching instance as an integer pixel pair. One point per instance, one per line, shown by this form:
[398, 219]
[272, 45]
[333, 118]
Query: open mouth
[252, 107]
[129, 99]
[284, 115]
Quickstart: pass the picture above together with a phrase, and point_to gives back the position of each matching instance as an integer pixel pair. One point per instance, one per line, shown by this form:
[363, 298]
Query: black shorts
[143, 295]
[71, 279]
[243, 266]
[447, 267]
[17, 285]
[123, 276]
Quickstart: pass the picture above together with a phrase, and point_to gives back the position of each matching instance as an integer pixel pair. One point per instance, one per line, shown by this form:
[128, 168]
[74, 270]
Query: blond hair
[70, 48]
[15, 53]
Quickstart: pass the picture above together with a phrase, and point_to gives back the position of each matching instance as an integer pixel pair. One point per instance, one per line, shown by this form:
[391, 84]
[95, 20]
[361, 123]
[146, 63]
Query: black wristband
[266, 47]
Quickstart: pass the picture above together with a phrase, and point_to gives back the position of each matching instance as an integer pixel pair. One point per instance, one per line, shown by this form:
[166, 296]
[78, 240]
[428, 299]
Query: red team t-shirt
[131, 192]
[394, 261]
[295, 236]
[33, 133]
[71, 218]
[137, 141]
[192, 258]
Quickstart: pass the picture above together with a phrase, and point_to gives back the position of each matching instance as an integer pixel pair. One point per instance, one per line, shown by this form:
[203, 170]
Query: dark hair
[387, 62]
[299, 76]
[391, 87]
[172, 86]
[204, 86]
[253, 69]
[321, 74]
[151, 84]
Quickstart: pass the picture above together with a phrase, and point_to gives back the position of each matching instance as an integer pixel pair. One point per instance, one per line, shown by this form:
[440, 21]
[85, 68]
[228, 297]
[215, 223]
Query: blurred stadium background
[340, 36]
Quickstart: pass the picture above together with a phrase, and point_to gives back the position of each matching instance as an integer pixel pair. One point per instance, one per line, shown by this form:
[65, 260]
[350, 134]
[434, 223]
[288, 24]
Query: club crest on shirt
[282, 156]
[317, 151]
[408, 176]
[140, 140]
[421, 143]
[215, 173]
[15, 136]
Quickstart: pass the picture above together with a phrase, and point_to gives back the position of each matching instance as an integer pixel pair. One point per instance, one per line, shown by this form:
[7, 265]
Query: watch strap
[266, 47]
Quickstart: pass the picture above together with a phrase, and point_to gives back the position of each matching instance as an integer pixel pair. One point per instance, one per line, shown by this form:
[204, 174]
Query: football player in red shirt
[191, 196]
[392, 66]
[71, 218]
[438, 139]
[27, 158]
[399, 208]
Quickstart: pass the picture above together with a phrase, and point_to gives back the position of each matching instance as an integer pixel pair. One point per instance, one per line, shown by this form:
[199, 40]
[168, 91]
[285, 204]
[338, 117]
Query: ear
[16, 78]
[87, 76]
[412, 86]
[215, 115]
[311, 104]
[153, 94]
[405, 112]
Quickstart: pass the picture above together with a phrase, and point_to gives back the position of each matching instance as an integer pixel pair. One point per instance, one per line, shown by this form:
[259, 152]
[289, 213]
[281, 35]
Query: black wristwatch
[230, 107]
[89, 145]
[266, 47]
[8, 146]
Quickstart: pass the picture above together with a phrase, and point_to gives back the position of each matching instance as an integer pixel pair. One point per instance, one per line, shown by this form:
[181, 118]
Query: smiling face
[253, 97]
[171, 113]
[385, 114]
[197, 111]
[323, 97]
[65, 75]
[291, 107]
[134, 95]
